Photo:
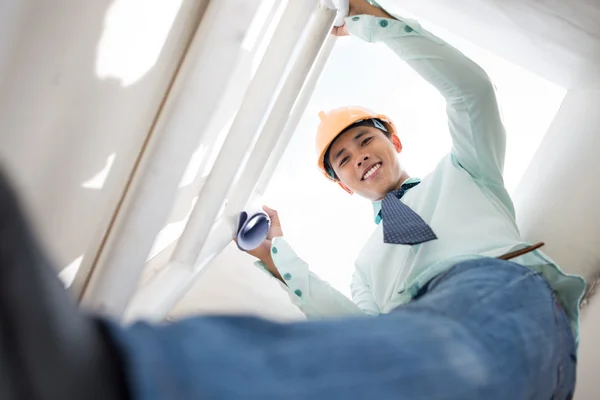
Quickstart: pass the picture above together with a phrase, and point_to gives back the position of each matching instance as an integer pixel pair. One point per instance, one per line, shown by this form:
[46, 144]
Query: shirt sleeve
[312, 295]
[474, 120]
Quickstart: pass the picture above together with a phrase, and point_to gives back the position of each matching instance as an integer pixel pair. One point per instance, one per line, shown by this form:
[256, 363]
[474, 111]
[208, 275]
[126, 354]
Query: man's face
[365, 160]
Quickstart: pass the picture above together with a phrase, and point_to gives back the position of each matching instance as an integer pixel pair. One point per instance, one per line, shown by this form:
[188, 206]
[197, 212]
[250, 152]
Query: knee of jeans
[472, 368]
[479, 374]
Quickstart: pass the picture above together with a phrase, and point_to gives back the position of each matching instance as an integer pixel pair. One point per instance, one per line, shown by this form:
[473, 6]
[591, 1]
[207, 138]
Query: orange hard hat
[335, 121]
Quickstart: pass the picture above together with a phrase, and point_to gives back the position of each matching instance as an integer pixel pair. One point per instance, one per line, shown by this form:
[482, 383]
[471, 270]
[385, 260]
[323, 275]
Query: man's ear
[397, 143]
[345, 187]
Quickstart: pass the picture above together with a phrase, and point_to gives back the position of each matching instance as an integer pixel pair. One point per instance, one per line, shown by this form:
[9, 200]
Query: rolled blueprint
[252, 229]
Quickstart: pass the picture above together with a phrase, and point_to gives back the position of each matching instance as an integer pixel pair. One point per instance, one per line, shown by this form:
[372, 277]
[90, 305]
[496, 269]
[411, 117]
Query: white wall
[557, 202]
[589, 353]
[80, 85]
[13, 14]
[557, 198]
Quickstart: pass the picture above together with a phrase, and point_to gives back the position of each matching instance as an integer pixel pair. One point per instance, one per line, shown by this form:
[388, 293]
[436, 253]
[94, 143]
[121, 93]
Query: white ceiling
[557, 39]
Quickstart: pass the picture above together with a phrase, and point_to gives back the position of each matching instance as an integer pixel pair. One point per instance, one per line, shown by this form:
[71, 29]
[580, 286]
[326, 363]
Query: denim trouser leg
[486, 329]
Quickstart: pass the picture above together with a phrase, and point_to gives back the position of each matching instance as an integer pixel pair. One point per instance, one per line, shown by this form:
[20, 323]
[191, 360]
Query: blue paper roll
[252, 230]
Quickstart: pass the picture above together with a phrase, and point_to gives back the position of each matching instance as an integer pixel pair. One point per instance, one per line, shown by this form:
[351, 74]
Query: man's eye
[344, 160]
[367, 140]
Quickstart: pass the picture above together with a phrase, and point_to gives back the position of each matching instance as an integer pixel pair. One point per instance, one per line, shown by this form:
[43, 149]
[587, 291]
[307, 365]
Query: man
[452, 322]
[461, 211]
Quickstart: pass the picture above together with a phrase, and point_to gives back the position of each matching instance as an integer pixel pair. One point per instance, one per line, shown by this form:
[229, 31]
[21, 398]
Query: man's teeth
[371, 171]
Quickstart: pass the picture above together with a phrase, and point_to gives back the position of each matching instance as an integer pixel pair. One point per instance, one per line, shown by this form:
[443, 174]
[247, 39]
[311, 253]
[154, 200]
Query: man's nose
[362, 160]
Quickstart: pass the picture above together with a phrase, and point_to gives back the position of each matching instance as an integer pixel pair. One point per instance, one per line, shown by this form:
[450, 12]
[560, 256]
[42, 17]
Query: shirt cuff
[293, 269]
[376, 29]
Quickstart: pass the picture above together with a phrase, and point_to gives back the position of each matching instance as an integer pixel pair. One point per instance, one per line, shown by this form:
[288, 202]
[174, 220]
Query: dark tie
[401, 225]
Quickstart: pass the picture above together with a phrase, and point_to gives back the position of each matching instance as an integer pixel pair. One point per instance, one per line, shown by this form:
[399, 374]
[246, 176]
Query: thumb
[339, 30]
[270, 212]
[273, 215]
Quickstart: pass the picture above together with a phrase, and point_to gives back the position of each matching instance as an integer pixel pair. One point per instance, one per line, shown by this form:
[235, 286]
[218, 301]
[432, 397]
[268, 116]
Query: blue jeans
[485, 329]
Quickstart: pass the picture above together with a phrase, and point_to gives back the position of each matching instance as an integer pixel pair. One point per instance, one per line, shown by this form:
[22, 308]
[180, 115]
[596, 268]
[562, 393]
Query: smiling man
[366, 175]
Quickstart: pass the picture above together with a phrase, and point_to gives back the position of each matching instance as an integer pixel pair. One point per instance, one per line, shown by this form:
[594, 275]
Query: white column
[81, 85]
[192, 100]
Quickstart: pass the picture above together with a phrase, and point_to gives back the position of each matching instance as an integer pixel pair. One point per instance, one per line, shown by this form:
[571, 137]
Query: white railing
[202, 241]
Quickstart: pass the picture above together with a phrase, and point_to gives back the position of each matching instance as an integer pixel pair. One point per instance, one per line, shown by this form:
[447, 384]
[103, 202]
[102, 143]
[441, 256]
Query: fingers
[275, 230]
[271, 213]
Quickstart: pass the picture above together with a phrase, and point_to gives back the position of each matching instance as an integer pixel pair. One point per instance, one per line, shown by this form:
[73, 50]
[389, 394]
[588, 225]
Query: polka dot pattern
[401, 225]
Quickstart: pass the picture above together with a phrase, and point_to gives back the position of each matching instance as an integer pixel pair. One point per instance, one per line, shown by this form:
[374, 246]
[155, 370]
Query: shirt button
[298, 292]
[287, 276]
[355, 18]
[383, 23]
[408, 29]
[274, 250]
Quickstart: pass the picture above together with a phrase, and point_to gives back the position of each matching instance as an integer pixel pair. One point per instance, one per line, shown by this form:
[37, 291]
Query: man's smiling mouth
[371, 171]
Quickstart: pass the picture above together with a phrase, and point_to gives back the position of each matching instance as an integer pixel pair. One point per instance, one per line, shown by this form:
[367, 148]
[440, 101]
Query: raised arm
[474, 121]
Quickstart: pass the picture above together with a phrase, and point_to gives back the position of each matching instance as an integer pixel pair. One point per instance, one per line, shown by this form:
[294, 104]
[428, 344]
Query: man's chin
[371, 194]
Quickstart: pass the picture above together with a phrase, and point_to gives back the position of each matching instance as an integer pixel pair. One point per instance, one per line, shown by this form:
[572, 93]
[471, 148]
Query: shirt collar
[377, 203]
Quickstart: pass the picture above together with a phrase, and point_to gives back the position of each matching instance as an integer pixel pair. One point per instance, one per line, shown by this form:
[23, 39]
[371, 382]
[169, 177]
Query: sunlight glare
[135, 32]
